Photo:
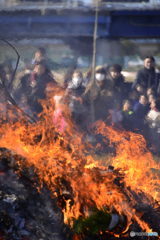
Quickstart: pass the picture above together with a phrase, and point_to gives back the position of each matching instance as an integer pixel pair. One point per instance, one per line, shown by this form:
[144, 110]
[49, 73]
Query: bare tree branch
[13, 76]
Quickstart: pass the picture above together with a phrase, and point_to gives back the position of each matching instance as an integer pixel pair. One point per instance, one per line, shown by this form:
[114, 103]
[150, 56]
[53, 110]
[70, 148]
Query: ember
[61, 161]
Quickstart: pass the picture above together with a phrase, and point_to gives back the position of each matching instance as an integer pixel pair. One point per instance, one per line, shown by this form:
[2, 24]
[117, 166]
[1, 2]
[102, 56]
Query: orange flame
[57, 156]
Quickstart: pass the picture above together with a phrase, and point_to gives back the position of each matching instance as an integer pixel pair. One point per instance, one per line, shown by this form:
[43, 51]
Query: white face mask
[76, 81]
[100, 77]
[27, 71]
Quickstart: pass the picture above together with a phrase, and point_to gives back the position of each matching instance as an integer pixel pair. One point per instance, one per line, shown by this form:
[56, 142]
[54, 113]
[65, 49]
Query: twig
[23, 112]
[8, 96]
[16, 63]
[12, 101]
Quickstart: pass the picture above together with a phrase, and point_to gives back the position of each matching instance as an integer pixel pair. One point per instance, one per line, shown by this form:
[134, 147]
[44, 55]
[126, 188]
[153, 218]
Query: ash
[24, 212]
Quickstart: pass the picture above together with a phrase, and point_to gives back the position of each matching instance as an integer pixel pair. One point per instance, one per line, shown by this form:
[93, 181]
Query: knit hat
[100, 69]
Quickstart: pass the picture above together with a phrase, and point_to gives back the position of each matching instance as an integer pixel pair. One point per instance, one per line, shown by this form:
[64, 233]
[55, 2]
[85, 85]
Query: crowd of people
[102, 93]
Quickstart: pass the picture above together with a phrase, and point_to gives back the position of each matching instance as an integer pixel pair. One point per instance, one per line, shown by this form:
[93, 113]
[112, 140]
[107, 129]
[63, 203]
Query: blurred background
[128, 30]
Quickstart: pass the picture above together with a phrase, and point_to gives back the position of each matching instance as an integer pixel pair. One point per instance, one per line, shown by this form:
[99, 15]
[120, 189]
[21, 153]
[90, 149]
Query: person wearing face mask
[100, 77]
[104, 85]
[75, 82]
[100, 74]
[101, 93]
[77, 104]
[68, 75]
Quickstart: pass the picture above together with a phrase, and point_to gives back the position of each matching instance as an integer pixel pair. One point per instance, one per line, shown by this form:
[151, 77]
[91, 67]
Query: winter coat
[140, 111]
[118, 86]
[152, 118]
[135, 102]
[147, 78]
[116, 116]
[21, 91]
[102, 96]
[73, 94]
[37, 92]
[127, 119]
[77, 104]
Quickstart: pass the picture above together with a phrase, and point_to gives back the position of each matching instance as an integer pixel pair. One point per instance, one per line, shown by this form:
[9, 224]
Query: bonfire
[97, 201]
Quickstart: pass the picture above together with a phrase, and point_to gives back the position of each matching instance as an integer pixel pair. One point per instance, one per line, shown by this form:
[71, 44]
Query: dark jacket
[140, 111]
[102, 96]
[4, 98]
[77, 104]
[147, 78]
[119, 86]
[73, 94]
[135, 102]
[21, 91]
[127, 119]
[36, 93]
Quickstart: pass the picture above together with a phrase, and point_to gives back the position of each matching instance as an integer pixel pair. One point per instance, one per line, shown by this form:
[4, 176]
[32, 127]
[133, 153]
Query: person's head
[40, 53]
[8, 76]
[40, 60]
[40, 69]
[115, 71]
[8, 68]
[150, 90]
[27, 70]
[149, 62]
[69, 73]
[100, 74]
[141, 89]
[116, 104]
[153, 104]
[143, 99]
[127, 105]
[77, 78]
[151, 97]
[134, 94]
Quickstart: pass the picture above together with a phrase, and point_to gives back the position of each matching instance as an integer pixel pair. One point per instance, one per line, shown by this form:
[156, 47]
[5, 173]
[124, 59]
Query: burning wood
[62, 192]
[76, 182]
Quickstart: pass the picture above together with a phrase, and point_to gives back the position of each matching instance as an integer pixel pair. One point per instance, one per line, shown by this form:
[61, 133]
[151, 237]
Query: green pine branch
[97, 222]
